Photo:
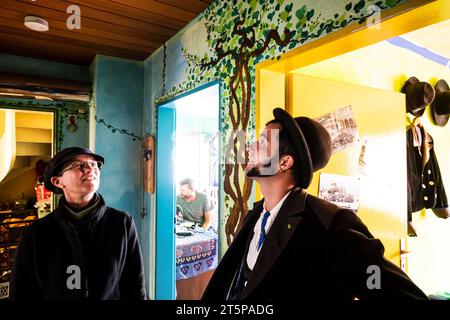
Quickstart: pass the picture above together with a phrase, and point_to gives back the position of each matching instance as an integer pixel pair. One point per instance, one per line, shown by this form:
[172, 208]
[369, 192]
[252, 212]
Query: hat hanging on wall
[418, 95]
[441, 104]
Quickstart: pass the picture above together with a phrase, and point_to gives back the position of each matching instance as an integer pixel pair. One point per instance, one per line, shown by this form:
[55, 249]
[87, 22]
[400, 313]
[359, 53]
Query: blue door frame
[165, 275]
[165, 203]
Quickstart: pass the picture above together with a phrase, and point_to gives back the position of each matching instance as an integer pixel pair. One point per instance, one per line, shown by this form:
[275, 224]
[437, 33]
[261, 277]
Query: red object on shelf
[42, 194]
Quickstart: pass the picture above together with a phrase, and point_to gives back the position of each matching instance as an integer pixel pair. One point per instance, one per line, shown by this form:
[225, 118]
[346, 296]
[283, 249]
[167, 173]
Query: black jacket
[313, 251]
[50, 245]
[425, 185]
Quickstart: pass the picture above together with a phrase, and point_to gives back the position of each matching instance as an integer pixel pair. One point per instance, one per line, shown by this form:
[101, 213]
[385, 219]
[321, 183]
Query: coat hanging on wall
[425, 185]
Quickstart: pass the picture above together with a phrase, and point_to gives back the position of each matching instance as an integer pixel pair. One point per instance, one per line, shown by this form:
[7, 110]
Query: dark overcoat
[50, 256]
[313, 250]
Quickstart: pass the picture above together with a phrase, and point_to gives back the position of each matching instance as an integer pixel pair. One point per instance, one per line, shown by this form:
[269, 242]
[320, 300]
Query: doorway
[27, 143]
[187, 183]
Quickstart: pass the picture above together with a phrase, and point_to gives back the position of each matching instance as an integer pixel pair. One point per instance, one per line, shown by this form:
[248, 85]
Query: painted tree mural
[239, 35]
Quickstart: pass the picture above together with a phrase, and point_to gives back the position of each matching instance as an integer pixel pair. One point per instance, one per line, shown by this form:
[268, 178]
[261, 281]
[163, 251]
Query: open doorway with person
[188, 188]
[196, 173]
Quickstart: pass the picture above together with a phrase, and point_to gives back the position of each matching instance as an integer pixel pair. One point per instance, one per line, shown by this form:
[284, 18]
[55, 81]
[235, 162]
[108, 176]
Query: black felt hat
[419, 94]
[311, 141]
[441, 104]
[59, 160]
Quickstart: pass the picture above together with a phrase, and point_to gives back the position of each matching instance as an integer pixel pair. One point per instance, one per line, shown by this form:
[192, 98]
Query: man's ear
[286, 162]
[57, 182]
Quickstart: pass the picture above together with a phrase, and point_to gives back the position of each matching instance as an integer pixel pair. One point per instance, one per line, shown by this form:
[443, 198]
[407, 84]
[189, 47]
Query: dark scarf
[78, 214]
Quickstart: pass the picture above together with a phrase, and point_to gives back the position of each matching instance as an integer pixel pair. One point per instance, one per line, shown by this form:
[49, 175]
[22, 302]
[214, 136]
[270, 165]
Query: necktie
[262, 235]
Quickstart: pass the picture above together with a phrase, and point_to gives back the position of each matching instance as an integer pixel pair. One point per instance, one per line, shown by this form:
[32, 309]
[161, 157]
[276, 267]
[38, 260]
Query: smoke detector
[36, 23]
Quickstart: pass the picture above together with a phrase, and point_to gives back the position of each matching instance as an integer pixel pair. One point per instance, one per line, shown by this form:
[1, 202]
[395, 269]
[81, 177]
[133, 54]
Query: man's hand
[207, 222]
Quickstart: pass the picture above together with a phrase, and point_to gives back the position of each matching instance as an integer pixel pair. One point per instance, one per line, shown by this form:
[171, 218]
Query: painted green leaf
[288, 7]
[391, 3]
[348, 7]
[284, 15]
[310, 14]
[300, 13]
[359, 6]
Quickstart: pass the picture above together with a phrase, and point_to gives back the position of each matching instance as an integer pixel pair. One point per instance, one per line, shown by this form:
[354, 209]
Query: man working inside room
[293, 245]
[195, 206]
[83, 249]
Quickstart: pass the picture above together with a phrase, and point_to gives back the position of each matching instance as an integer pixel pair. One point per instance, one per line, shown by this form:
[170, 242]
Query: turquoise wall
[148, 222]
[78, 138]
[118, 87]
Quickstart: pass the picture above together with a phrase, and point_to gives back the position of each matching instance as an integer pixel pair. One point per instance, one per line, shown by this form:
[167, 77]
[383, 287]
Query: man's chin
[252, 172]
[91, 186]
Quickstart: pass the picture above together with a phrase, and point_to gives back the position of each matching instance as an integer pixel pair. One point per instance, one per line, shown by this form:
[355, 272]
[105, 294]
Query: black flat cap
[58, 162]
[311, 141]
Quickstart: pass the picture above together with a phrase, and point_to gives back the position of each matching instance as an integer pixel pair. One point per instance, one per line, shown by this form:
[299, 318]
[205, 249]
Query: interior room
[176, 99]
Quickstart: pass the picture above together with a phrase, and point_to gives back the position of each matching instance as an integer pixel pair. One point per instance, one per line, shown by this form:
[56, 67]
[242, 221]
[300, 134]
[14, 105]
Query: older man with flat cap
[294, 246]
[83, 249]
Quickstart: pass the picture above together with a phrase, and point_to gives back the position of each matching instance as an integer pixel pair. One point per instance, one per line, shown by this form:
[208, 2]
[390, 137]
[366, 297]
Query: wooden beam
[20, 80]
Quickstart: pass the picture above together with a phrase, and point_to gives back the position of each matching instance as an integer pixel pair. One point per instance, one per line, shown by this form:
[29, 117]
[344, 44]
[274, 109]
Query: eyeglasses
[80, 165]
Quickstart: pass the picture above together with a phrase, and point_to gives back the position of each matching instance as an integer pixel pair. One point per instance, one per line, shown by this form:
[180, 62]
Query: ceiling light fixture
[36, 23]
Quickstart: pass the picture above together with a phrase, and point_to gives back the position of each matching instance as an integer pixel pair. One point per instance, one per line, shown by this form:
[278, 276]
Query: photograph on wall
[341, 126]
[343, 191]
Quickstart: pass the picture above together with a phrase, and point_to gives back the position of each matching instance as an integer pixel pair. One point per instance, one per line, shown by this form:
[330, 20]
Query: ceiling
[131, 29]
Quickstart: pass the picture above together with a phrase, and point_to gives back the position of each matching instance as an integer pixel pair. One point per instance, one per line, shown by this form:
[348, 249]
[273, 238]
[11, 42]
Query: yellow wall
[382, 187]
[38, 120]
[22, 184]
[386, 66]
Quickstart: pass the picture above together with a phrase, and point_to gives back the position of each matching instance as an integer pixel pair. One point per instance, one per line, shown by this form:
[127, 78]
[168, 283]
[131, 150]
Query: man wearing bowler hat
[293, 245]
[83, 249]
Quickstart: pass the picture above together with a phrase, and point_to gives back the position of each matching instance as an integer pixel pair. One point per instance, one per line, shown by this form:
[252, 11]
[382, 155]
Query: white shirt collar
[277, 208]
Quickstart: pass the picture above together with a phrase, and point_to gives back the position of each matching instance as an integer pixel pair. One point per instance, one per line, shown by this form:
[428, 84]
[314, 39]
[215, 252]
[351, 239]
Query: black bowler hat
[419, 94]
[311, 141]
[59, 160]
[441, 103]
